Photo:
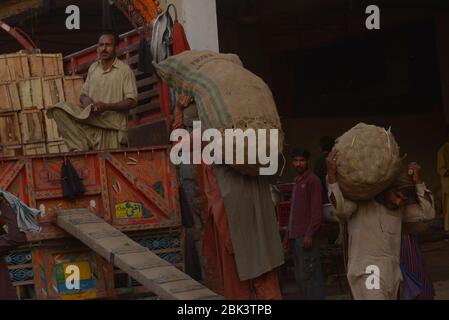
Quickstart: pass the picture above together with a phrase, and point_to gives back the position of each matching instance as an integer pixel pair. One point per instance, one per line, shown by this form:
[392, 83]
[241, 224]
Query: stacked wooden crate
[29, 85]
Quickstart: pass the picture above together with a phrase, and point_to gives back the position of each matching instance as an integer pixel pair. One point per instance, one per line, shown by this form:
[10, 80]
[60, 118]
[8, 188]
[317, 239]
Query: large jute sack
[368, 161]
[227, 95]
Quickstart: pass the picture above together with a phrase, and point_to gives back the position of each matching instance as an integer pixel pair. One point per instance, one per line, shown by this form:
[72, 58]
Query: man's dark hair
[408, 192]
[111, 33]
[403, 184]
[301, 152]
[327, 143]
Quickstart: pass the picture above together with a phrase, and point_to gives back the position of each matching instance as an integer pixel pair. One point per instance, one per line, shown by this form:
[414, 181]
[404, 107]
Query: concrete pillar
[199, 18]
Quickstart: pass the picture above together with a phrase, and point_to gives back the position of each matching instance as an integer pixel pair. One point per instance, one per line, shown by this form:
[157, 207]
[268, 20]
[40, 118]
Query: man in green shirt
[108, 94]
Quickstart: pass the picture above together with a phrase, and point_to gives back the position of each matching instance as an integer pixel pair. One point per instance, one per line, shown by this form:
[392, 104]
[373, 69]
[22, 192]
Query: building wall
[199, 18]
[418, 134]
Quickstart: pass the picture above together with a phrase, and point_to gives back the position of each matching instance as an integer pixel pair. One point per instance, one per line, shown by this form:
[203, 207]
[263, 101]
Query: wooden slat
[32, 126]
[156, 274]
[17, 65]
[53, 90]
[10, 129]
[26, 100]
[11, 151]
[53, 64]
[44, 65]
[153, 105]
[57, 147]
[72, 89]
[5, 101]
[4, 71]
[36, 93]
[9, 97]
[146, 81]
[36, 65]
[14, 96]
[148, 94]
[34, 149]
[30, 92]
[51, 129]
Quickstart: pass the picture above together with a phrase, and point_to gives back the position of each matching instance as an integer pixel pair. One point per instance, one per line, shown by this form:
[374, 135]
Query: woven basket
[368, 161]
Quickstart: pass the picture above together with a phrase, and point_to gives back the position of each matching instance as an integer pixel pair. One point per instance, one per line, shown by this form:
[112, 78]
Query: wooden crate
[32, 149]
[30, 92]
[46, 64]
[14, 67]
[53, 90]
[72, 89]
[11, 151]
[10, 129]
[51, 129]
[32, 126]
[57, 147]
[4, 70]
[9, 97]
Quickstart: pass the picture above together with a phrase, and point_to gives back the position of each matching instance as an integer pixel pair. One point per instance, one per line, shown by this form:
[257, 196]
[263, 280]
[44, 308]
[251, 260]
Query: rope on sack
[388, 139]
[283, 166]
[353, 140]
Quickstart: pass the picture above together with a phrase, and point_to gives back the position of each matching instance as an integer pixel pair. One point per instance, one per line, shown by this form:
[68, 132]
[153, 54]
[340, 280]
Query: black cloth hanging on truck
[72, 185]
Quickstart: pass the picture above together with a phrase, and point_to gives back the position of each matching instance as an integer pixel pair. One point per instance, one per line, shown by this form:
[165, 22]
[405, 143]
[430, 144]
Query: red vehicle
[133, 189]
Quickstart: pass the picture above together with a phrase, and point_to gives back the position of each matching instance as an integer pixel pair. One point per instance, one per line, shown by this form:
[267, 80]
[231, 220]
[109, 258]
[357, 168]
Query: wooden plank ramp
[156, 274]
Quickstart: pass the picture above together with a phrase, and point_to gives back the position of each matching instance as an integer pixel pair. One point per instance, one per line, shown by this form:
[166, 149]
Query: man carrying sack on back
[241, 241]
[109, 92]
[374, 229]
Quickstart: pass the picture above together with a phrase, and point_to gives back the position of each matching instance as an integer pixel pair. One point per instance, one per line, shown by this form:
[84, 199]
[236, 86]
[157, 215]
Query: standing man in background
[304, 226]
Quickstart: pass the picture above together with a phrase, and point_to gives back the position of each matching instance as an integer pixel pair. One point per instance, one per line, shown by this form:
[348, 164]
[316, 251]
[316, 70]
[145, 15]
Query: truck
[134, 191]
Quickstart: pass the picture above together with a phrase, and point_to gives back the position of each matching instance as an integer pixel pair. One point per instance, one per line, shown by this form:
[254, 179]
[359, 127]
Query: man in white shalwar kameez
[374, 230]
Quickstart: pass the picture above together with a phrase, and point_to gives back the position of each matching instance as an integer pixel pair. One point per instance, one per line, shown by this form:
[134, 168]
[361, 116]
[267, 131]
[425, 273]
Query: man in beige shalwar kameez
[374, 230]
[109, 92]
